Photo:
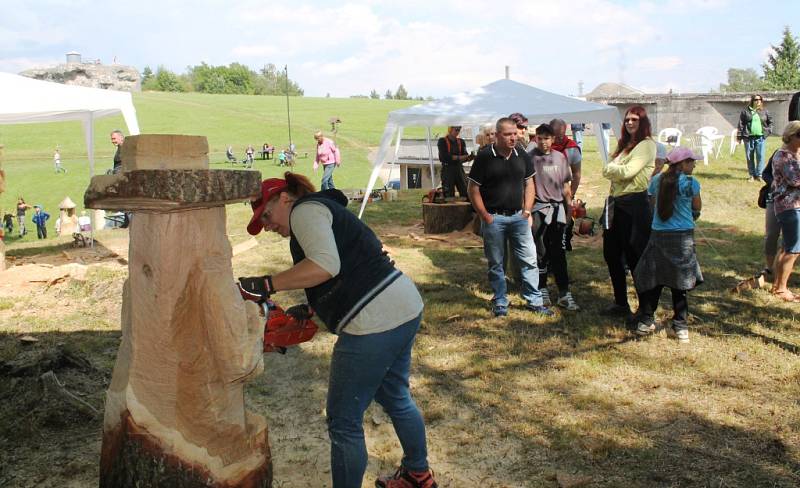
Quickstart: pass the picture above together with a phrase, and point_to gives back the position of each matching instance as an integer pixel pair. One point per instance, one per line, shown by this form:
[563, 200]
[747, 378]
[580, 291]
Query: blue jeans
[363, 368]
[577, 135]
[516, 230]
[327, 177]
[754, 152]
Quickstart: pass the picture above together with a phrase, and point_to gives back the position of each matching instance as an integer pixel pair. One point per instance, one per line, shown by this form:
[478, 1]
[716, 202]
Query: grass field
[236, 120]
[514, 402]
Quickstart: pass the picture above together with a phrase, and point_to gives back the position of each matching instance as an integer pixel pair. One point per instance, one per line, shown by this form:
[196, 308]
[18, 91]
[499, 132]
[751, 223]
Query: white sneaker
[682, 335]
[545, 297]
[644, 329]
[568, 302]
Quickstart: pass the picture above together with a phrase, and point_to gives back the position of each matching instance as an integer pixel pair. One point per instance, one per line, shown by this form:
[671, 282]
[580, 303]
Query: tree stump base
[440, 218]
[132, 457]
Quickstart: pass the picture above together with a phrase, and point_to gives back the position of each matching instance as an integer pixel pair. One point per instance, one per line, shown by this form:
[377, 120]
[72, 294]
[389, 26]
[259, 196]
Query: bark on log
[175, 413]
[171, 190]
[439, 218]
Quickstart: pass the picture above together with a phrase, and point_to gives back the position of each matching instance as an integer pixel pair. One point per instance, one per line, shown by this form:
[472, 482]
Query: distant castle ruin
[94, 75]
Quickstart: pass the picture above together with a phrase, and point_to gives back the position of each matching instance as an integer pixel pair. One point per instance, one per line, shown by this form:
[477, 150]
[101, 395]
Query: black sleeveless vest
[365, 269]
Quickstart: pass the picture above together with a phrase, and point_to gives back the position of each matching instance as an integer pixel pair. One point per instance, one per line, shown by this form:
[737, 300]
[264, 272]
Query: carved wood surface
[170, 189]
[164, 151]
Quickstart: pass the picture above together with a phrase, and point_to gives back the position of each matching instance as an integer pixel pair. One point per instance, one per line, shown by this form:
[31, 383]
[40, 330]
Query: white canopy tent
[25, 101]
[487, 104]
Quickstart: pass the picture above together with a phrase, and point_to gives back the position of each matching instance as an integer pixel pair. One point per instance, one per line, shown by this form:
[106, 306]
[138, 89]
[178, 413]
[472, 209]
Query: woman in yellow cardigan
[627, 217]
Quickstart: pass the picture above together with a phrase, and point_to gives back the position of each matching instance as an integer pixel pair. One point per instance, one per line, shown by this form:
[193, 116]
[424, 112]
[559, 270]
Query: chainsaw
[283, 329]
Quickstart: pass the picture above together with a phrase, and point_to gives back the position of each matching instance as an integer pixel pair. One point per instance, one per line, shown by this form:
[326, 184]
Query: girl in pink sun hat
[669, 258]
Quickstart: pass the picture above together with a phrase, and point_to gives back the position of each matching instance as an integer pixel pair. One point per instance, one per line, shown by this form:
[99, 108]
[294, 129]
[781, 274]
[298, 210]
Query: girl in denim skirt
[669, 258]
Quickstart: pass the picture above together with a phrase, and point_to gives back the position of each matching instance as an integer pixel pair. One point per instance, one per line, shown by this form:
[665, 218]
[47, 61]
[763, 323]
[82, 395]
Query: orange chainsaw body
[282, 330]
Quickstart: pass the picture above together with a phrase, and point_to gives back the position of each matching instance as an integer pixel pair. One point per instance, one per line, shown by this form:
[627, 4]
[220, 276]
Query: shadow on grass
[47, 441]
[663, 448]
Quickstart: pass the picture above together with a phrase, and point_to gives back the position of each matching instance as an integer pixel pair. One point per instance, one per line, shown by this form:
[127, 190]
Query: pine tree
[388, 95]
[782, 69]
[374, 94]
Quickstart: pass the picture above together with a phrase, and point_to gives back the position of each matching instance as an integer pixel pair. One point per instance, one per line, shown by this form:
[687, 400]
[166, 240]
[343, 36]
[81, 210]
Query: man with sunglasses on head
[502, 192]
[453, 154]
[755, 124]
[523, 137]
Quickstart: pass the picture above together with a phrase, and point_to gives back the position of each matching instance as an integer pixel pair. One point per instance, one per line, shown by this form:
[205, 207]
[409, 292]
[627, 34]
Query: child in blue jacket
[40, 218]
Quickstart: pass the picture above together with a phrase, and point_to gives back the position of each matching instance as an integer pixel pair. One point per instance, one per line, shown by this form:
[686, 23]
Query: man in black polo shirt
[452, 154]
[502, 191]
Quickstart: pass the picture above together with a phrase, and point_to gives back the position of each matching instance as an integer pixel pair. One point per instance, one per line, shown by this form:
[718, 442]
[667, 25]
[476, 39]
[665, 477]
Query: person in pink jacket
[329, 157]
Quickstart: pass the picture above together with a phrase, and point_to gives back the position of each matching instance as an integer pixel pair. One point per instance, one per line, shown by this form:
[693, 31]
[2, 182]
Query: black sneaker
[499, 311]
[541, 310]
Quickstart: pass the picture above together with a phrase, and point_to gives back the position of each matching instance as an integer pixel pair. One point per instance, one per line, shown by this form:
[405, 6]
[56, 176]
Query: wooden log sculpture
[439, 218]
[175, 413]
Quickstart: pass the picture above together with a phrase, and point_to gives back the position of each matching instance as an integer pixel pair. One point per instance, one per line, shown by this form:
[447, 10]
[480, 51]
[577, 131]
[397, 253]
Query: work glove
[301, 312]
[256, 288]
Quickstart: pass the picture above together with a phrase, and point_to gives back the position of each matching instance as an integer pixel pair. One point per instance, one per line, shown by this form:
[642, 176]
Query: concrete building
[690, 111]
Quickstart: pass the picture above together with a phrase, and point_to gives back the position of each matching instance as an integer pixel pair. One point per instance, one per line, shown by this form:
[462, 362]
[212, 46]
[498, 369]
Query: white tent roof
[487, 104]
[500, 98]
[25, 100]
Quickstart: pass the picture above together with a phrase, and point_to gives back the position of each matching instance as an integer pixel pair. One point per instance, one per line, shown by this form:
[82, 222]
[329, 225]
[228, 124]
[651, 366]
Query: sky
[433, 47]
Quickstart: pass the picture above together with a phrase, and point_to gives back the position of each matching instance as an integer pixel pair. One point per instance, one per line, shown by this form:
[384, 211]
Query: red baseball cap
[269, 188]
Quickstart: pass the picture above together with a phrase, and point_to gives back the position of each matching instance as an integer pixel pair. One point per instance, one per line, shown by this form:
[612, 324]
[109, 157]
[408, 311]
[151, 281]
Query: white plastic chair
[702, 144]
[714, 138]
[734, 140]
[665, 134]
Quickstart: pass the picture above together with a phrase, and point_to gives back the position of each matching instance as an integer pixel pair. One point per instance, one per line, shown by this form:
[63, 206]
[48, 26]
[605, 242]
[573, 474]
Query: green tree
[742, 80]
[782, 69]
[274, 82]
[388, 95]
[165, 80]
[374, 94]
[147, 73]
[401, 93]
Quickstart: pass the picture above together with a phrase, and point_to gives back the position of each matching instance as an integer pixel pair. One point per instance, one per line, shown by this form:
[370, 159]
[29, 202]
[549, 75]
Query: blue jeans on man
[327, 176]
[363, 368]
[754, 152]
[517, 231]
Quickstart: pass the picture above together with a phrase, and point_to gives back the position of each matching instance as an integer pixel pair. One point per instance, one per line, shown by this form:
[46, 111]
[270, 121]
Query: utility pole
[288, 117]
[580, 88]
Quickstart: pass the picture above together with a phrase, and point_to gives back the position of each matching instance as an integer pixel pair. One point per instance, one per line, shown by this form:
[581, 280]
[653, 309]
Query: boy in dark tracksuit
[40, 218]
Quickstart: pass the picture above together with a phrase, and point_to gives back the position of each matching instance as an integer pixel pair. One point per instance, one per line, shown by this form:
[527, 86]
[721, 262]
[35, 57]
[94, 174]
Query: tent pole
[396, 151]
[89, 129]
[430, 157]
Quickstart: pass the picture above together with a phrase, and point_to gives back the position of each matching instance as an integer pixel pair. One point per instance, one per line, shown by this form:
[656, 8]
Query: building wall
[691, 111]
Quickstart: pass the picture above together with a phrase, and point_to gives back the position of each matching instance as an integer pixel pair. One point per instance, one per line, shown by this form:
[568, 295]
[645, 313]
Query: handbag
[762, 196]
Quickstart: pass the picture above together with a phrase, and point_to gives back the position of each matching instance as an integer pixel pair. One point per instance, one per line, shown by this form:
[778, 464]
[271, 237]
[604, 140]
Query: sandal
[786, 296]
